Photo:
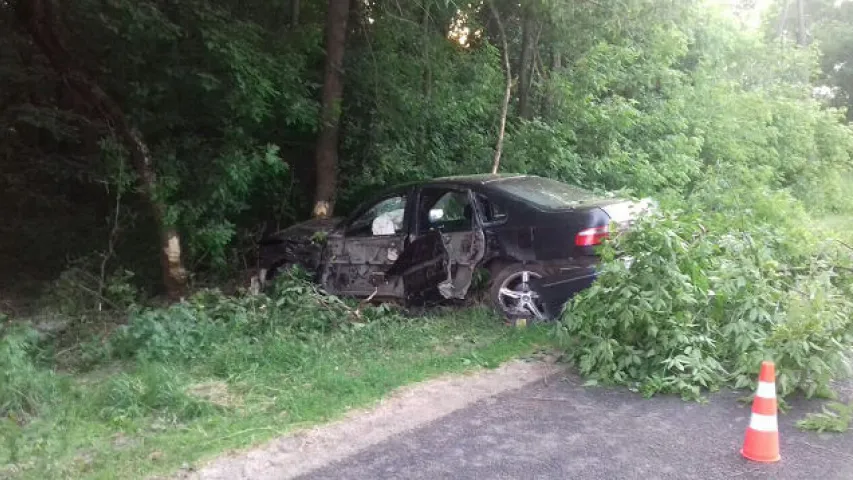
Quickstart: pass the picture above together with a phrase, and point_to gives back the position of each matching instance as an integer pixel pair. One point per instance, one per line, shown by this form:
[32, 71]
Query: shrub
[80, 289]
[701, 306]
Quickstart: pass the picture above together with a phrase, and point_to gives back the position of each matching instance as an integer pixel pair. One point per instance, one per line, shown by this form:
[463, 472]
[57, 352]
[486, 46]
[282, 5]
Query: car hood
[305, 229]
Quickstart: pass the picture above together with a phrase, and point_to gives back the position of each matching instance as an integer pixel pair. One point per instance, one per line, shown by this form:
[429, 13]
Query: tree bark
[496, 164]
[525, 63]
[294, 12]
[423, 144]
[42, 23]
[802, 35]
[783, 20]
[551, 92]
[327, 143]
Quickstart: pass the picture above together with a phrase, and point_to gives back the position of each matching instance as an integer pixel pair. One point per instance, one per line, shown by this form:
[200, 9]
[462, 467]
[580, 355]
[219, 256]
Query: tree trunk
[783, 20]
[327, 143]
[802, 36]
[423, 144]
[507, 92]
[551, 92]
[42, 24]
[525, 63]
[294, 12]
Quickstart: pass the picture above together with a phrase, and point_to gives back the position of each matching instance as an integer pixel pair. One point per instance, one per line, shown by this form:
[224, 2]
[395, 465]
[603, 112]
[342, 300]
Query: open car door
[445, 246]
[360, 253]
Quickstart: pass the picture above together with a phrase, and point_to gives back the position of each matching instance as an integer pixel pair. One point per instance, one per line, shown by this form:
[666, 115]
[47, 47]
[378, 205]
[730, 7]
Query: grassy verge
[155, 416]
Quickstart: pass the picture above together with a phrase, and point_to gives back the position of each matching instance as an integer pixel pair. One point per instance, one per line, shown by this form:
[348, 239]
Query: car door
[445, 246]
[359, 254]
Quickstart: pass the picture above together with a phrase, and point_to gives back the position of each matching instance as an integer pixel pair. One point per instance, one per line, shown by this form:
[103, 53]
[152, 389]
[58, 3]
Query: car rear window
[545, 193]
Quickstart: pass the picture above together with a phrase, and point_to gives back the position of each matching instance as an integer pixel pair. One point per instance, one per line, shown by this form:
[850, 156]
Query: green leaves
[659, 328]
[834, 417]
[187, 331]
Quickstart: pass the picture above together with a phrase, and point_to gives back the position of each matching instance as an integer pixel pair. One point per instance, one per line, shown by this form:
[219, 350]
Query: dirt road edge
[406, 409]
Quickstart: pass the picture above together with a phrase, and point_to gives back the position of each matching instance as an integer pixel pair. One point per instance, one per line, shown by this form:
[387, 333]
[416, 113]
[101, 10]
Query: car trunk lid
[624, 213]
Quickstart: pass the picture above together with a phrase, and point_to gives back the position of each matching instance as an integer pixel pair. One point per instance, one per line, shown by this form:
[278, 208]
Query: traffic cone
[762, 436]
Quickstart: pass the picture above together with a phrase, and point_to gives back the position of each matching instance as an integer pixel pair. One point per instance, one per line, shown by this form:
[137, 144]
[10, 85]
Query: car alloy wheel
[516, 297]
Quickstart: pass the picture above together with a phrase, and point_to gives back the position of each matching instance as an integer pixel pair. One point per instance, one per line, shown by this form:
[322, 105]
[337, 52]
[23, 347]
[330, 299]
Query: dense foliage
[702, 304]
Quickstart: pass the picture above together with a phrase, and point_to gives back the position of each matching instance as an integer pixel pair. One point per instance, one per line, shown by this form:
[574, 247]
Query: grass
[144, 418]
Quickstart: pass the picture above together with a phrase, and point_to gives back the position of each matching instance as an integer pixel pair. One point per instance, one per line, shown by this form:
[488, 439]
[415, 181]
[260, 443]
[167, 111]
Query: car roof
[480, 179]
[476, 180]
[485, 183]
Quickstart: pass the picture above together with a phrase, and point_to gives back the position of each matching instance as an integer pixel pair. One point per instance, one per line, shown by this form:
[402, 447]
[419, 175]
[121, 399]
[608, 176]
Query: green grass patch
[154, 415]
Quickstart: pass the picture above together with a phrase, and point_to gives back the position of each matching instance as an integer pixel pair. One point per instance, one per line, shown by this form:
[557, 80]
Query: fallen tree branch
[364, 302]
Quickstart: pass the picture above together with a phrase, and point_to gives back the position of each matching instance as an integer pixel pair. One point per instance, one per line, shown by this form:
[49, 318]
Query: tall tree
[802, 33]
[327, 143]
[295, 8]
[42, 22]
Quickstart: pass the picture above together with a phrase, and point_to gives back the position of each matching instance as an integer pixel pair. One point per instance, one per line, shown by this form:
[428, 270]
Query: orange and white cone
[762, 436]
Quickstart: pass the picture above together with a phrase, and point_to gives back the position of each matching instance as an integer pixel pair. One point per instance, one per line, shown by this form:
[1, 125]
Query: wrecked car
[536, 237]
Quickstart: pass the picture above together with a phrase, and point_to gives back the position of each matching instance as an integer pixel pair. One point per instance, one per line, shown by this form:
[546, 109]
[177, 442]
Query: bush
[80, 290]
[700, 307]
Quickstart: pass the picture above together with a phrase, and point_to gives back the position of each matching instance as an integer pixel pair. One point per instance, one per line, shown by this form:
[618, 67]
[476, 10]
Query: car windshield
[544, 192]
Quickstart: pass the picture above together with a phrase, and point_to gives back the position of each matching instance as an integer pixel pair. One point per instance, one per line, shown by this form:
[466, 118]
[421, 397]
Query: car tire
[511, 278]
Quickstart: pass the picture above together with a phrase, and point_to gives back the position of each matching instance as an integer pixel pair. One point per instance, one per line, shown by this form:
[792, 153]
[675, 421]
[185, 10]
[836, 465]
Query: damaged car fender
[301, 244]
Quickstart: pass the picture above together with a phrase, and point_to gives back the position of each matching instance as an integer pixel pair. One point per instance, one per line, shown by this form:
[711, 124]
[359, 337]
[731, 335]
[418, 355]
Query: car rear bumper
[556, 290]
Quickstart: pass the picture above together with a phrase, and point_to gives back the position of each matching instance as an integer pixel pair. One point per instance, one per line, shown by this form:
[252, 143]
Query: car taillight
[592, 236]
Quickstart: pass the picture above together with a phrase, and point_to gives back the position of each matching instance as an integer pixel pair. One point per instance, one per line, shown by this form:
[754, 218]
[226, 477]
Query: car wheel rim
[516, 297]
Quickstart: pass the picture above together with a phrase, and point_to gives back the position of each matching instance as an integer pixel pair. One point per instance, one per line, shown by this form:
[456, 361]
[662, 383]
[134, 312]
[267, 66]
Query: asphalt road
[563, 430]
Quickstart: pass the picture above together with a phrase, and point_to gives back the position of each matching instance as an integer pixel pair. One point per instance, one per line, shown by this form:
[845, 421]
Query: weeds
[835, 417]
[151, 390]
[26, 389]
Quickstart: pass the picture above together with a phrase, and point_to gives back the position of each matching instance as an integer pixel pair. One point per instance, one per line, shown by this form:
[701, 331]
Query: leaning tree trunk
[499, 145]
[327, 143]
[42, 23]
